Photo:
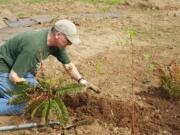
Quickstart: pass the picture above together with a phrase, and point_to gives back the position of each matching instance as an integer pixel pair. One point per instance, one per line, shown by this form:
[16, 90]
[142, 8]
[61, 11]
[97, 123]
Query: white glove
[89, 85]
[83, 82]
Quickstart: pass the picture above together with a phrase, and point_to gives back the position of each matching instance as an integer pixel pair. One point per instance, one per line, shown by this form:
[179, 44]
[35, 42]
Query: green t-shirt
[22, 52]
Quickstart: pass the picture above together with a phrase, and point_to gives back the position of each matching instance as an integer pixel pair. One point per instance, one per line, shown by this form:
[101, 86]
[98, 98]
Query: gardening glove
[89, 85]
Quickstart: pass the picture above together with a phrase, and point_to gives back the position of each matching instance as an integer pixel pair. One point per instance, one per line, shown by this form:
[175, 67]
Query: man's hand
[13, 77]
[89, 85]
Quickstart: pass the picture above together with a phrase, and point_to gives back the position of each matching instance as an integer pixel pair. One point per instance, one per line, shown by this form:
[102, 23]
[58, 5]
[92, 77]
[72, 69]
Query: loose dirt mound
[153, 119]
[110, 111]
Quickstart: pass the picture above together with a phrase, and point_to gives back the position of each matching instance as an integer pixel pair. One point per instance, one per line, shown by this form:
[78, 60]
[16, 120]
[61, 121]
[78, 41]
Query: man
[20, 55]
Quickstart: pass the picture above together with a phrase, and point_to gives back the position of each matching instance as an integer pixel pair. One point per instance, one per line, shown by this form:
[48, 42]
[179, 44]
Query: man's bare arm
[72, 70]
[13, 77]
[74, 73]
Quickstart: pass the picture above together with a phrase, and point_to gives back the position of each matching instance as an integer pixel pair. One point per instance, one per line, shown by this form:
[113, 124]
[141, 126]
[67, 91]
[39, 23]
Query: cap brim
[74, 39]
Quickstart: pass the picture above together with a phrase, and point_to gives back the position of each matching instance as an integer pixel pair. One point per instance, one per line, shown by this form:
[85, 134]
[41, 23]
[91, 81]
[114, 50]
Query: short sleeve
[60, 54]
[24, 63]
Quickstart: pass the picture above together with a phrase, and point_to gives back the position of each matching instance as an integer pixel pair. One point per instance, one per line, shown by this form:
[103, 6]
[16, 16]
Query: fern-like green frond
[37, 109]
[44, 83]
[18, 99]
[61, 110]
[68, 89]
[20, 89]
[22, 86]
[34, 102]
[45, 112]
[14, 92]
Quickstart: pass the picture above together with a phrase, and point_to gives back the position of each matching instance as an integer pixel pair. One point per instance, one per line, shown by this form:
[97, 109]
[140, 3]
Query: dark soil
[161, 113]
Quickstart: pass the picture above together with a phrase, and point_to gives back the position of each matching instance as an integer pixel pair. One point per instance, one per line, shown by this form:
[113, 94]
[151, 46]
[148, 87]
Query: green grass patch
[34, 1]
[109, 2]
[5, 1]
[112, 2]
[20, 14]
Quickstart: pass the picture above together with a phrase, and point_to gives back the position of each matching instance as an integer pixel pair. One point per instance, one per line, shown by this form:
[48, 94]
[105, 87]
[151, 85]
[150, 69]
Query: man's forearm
[73, 72]
[13, 77]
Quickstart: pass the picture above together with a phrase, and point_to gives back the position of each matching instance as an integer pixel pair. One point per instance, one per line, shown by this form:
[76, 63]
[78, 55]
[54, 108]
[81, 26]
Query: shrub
[170, 78]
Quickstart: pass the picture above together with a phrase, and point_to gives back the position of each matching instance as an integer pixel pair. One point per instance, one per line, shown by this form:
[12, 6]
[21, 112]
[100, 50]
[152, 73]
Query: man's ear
[57, 35]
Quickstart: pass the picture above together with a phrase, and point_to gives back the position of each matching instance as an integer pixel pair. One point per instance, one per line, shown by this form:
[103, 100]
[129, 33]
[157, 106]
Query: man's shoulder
[39, 31]
[34, 37]
[34, 33]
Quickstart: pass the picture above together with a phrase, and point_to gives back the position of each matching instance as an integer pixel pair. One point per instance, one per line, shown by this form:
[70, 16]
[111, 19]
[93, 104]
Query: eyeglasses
[69, 42]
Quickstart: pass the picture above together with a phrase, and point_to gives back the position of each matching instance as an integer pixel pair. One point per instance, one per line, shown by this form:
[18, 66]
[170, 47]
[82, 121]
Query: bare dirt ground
[105, 58]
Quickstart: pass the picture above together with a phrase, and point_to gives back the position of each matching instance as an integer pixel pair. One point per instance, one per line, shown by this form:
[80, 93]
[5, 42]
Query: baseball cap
[69, 29]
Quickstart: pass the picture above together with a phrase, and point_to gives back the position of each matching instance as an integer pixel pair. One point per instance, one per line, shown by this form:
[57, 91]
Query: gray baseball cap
[68, 28]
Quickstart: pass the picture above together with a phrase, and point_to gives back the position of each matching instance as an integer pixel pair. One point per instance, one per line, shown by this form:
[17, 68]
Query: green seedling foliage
[19, 94]
[98, 68]
[170, 78]
[20, 14]
[43, 99]
[152, 67]
[44, 83]
[35, 106]
[22, 86]
[18, 99]
[146, 56]
[131, 33]
[68, 89]
[37, 109]
[172, 87]
[45, 112]
[61, 109]
[14, 92]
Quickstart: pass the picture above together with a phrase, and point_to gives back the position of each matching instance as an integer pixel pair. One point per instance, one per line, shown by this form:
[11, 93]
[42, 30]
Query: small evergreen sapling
[44, 100]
